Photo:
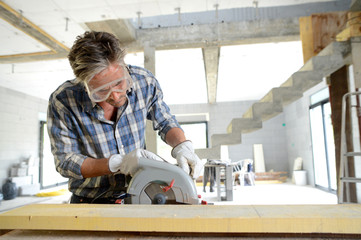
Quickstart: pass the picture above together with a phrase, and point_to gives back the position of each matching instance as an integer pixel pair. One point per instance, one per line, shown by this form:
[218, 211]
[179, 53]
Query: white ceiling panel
[32, 6]
[79, 4]
[14, 41]
[91, 14]
[47, 18]
[66, 37]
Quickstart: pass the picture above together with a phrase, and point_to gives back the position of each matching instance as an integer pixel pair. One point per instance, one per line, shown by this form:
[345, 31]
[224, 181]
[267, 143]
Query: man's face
[110, 85]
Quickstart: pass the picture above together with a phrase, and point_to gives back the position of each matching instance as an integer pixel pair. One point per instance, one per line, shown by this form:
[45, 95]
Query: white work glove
[128, 164]
[184, 153]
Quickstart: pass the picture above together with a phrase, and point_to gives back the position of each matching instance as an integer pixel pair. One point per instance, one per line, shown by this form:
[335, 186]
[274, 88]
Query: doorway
[323, 146]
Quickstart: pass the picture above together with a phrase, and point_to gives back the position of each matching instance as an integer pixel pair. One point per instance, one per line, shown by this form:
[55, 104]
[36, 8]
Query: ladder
[345, 179]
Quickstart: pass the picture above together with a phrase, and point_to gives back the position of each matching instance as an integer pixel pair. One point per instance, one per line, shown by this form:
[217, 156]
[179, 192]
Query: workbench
[164, 221]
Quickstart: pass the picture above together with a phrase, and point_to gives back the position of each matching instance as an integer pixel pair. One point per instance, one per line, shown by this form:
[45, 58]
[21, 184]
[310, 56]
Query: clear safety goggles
[100, 90]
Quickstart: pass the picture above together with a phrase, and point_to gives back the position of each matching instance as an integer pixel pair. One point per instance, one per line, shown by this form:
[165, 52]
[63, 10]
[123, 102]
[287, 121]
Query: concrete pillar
[150, 134]
[211, 62]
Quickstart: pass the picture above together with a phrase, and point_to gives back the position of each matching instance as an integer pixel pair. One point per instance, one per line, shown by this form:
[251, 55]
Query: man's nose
[115, 95]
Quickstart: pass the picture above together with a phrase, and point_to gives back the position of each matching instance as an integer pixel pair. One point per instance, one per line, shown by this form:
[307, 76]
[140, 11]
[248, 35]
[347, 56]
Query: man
[97, 121]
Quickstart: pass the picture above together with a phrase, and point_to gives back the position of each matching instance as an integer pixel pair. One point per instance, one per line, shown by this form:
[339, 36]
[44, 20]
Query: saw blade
[154, 191]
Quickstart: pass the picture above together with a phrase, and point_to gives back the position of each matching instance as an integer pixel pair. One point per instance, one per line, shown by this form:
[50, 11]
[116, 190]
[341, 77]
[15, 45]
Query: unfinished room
[180, 119]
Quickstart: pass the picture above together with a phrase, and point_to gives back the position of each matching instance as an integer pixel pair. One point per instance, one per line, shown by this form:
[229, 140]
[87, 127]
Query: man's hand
[128, 164]
[184, 153]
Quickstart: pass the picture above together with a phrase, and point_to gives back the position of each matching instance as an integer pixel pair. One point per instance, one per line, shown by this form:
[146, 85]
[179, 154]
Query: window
[197, 132]
[49, 177]
[323, 147]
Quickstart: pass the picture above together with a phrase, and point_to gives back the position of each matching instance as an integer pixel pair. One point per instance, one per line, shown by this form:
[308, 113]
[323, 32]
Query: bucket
[300, 177]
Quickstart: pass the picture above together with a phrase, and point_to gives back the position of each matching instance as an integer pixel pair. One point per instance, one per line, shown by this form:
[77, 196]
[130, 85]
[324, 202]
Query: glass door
[323, 147]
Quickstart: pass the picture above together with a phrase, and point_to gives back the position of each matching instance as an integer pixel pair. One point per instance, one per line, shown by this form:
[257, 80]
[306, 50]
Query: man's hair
[93, 52]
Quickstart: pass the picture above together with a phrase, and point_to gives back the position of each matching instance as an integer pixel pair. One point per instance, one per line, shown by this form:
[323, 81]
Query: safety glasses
[100, 90]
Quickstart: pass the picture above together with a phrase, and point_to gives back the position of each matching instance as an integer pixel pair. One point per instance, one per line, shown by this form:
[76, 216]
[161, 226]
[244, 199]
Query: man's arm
[174, 137]
[95, 167]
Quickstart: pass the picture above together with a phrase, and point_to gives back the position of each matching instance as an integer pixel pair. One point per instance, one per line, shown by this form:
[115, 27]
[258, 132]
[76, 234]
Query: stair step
[330, 59]
[283, 95]
[324, 64]
[263, 110]
[209, 153]
[244, 125]
[303, 80]
[342, 48]
[226, 139]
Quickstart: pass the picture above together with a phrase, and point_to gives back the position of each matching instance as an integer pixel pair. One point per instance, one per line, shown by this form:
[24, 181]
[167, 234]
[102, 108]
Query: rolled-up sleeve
[64, 141]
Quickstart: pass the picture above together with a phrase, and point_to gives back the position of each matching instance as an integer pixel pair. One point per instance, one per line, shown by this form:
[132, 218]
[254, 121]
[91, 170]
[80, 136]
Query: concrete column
[211, 62]
[150, 134]
[149, 58]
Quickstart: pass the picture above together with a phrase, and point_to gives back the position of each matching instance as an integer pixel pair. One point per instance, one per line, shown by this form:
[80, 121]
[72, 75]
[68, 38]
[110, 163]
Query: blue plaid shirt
[78, 129]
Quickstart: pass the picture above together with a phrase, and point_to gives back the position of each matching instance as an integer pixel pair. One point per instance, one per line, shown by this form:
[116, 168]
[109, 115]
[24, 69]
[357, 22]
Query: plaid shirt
[78, 129]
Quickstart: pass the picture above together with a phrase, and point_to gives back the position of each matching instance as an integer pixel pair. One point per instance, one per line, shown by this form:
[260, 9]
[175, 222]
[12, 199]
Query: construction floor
[272, 194]
[260, 194]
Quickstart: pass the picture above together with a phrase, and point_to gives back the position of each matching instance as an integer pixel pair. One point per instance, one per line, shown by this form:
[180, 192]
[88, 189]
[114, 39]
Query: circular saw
[158, 182]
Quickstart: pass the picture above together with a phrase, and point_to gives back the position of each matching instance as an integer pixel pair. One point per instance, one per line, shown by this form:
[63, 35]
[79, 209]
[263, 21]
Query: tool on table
[159, 182]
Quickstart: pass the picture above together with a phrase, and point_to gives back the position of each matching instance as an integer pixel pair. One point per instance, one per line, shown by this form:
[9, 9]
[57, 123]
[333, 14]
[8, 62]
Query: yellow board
[334, 219]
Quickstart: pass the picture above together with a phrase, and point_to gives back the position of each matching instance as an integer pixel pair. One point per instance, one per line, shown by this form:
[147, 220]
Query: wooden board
[334, 219]
[319, 30]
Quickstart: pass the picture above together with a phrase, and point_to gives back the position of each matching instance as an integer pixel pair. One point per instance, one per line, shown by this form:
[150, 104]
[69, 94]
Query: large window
[194, 131]
[49, 177]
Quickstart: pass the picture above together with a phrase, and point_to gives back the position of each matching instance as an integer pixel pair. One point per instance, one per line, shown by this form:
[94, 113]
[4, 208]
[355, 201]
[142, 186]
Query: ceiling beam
[121, 28]
[221, 34]
[16, 19]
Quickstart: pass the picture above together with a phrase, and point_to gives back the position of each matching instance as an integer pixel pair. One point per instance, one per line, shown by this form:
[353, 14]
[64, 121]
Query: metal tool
[159, 182]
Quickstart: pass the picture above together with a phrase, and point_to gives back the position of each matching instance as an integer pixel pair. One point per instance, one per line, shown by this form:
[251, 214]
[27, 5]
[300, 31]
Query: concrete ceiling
[35, 35]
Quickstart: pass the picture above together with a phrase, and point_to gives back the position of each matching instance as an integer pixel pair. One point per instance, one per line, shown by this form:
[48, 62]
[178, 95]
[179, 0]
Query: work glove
[128, 164]
[184, 153]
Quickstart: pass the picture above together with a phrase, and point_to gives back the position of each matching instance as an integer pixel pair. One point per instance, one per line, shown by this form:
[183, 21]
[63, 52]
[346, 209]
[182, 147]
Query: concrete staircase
[330, 59]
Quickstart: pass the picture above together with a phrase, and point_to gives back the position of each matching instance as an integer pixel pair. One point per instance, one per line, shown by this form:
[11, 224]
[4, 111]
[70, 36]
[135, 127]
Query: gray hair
[93, 52]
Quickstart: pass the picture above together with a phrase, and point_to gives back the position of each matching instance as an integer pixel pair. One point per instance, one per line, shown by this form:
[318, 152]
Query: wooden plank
[353, 27]
[319, 30]
[347, 33]
[104, 235]
[306, 36]
[334, 219]
[338, 88]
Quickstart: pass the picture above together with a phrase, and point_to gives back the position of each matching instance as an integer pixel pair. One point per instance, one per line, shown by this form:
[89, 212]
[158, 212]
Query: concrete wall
[272, 135]
[298, 132]
[19, 128]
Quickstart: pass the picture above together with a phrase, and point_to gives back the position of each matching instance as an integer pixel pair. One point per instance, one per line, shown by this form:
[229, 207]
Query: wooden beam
[319, 30]
[18, 21]
[339, 87]
[322, 219]
[353, 28]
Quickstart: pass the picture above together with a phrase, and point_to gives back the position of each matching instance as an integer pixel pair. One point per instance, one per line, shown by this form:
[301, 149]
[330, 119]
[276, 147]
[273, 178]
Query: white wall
[272, 135]
[298, 132]
[19, 128]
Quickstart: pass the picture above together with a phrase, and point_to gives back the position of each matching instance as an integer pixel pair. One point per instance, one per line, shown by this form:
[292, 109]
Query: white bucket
[300, 177]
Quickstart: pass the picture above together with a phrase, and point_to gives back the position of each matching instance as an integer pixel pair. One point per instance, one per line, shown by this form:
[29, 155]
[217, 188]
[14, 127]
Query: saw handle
[166, 188]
